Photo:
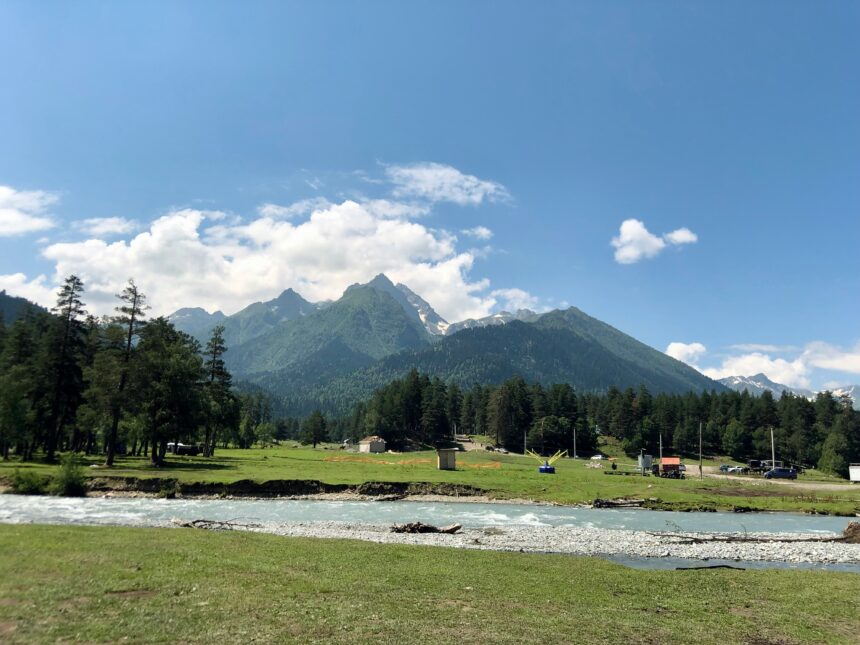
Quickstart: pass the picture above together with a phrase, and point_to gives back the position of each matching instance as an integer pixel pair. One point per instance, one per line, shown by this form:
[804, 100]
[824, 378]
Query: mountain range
[332, 354]
[758, 384]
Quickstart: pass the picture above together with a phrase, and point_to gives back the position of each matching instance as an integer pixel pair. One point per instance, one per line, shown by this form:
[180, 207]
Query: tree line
[120, 384]
[420, 410]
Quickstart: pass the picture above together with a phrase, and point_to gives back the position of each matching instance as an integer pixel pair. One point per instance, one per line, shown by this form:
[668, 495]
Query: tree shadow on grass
[191, 465]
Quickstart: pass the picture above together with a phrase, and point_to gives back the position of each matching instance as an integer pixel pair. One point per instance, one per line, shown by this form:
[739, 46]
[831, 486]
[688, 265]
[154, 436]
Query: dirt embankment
[169, 487]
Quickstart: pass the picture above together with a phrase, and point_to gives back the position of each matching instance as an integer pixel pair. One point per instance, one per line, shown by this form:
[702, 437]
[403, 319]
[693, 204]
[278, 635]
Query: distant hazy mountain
[850, 391]
[12, 307]
[261, 317]
[758, 384]
[195, 321]
[501, 318]
[252, 321]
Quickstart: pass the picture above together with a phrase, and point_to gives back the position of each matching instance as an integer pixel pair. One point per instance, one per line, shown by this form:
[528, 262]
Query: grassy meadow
[502, 476]
[94, 585]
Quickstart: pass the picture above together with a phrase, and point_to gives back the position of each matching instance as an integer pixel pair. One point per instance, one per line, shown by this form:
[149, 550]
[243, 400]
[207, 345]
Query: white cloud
[794, 373]
[826, 356]
[763, 347]
[635, 242]
[437, 182]
[514, 299]
[387, 208]
[35, 290]
[99, 226]
[185, 258]
[796, 367]
[681, 236]
[688, 353]
[478, 232]
[23, 211]
[296, 209]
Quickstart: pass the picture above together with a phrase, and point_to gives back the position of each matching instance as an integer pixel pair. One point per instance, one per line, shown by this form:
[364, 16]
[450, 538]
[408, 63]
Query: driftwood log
[215, 525]
[617, 503]
[419, 527]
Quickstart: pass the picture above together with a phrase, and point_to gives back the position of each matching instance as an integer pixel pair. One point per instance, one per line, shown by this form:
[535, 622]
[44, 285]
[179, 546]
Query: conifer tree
[130, 318]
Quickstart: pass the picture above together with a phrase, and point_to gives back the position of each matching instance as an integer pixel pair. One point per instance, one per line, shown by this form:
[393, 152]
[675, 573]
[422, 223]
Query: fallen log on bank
[215, 525]
[420, 527]
[617, 503]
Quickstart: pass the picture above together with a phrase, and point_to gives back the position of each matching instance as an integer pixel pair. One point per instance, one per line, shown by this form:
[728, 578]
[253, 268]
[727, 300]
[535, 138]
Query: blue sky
[173, 142]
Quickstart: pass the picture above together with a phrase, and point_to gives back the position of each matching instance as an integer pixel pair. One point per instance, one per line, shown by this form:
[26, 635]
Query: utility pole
[661, 447]
[772, 450]
[701, 472]
[574, 441]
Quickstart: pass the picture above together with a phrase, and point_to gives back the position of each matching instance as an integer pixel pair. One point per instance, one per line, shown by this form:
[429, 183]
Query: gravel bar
[589, 542]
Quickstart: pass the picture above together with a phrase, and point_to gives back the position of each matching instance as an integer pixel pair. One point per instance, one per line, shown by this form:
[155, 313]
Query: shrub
[27, 482]
[70, 481]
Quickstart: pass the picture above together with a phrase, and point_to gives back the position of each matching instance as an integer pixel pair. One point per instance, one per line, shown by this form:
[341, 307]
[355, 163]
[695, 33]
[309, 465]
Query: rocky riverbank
[592, 542]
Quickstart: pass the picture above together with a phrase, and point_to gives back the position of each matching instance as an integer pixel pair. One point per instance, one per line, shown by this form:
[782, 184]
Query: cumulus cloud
[185, 258]
[216, 260]
[635, 242]
[100, 226]
[515, 299]
[681, 236]
[795, 367]
[437, 182]
[794, 373]
[688, 353]
[23, 211]
[478, 232]
[36, 290]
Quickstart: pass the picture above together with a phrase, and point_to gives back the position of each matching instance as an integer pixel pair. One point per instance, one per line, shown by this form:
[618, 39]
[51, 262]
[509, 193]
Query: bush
[70, 481]
[26, 482]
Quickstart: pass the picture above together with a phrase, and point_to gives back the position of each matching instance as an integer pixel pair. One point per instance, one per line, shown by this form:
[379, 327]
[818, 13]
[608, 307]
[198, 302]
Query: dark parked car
[724, 468]
[781, 473]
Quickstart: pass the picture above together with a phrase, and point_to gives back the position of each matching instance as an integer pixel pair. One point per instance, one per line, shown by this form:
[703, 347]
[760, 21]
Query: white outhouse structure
[372, 444]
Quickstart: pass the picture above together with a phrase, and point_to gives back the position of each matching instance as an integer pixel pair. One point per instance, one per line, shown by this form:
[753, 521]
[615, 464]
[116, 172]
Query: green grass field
[95, 585]
[503, 476]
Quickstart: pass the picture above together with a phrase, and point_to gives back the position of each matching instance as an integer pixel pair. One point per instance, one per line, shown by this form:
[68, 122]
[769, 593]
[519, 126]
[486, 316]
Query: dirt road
[713, 472]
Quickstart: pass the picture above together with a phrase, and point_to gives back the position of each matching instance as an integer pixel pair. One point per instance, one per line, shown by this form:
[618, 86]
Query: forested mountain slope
[366, 324]
[560, 347]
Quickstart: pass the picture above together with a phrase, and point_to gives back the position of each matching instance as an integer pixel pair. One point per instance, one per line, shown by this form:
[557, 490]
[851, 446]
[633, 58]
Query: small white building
[372, 444]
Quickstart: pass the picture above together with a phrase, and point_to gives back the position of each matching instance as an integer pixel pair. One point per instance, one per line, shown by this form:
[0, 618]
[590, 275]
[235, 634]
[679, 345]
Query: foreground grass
[179, 585]
[503, 476]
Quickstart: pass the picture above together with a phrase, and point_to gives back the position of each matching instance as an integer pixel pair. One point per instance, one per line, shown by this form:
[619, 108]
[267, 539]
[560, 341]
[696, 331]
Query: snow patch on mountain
[500, 318]
[758, 384]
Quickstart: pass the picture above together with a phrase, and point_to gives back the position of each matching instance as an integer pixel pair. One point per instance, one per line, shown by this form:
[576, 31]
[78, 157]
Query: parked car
[724, 468]
[598, 457]
[682, 468]
[738, 470]
[781, 473]
[184, 449]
